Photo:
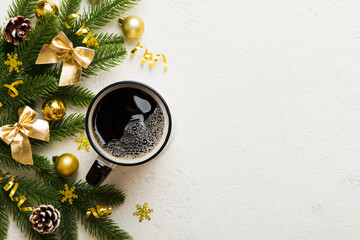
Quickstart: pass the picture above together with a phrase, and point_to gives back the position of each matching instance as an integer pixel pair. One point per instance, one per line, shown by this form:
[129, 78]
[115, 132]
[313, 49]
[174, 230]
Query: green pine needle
[46, 171]
[103, 228]
[8, 116]
[25, 8]
[109, 38]
[68, 7]
[105, 194]
[4, 220]
[46, 29]
[106, 10]
[9, 163]
[68, 229]
[68, 126]
[2, 60]
[106, 57]
[37, 192]
[33, 88]
[75, 96]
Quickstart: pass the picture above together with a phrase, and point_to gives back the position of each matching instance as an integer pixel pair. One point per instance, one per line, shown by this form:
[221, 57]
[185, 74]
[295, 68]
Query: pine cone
[16, 29]
[45, 219]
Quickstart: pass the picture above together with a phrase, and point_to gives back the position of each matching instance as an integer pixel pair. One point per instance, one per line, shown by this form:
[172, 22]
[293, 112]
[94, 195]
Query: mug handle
[99, 171]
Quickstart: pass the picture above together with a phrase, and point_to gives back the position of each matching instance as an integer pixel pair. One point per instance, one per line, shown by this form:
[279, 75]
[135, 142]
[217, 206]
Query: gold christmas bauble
[66, 164]
[53, 109]
[44, 7]
[132, 26]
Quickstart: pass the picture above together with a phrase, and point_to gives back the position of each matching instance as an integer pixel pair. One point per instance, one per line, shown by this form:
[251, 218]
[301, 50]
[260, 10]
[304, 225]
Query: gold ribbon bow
[61, 48]
[17, 135]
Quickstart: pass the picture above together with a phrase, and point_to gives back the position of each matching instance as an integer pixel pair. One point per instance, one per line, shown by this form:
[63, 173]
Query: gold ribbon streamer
[17, 135]
[61, 48]
[102, 210]
[14, 185]
[148, 56]
[89, 42]
[12, 91]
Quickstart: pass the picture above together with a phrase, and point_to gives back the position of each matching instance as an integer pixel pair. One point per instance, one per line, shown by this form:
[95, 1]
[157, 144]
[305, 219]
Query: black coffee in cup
[128, 123]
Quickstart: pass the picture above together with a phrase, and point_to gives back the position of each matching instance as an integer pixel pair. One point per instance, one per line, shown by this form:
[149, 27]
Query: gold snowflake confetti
[83, 142]
[69, 194]
[143, 212]
[13, 62]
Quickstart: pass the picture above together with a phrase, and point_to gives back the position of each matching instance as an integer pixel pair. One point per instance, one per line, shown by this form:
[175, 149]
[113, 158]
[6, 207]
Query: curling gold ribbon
[14, 185]
[148, 56]
[89, 42]
[102, 210]
[17, 135]
[12, 91]
[61, 48]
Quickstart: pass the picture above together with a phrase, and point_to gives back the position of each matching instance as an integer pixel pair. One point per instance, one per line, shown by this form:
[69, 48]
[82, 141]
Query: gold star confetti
[143, 212]
[69, 194]
[83, 142]
[13, 62]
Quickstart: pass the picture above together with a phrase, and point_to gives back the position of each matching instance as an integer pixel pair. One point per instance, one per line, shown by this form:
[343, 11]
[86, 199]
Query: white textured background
[265, 97]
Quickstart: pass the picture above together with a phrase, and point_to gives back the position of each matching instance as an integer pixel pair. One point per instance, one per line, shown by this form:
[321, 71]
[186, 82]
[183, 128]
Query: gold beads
[53, 109]
[132, 26]
[44, 7]
[66, 164]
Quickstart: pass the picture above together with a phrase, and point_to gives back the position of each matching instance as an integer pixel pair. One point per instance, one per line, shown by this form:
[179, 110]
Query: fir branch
[46, 171]
[106, 10]
[105, 194]
[4, 219]
[9, 116]
[68, 7]
[68, 126]
[46, 29]
[74, 95]
[109, 38]
[2, 59]
[106, 57]
[36, 87]
[37, 192]
[68, 229]
[103, 228]
[25, 8]
[7, 161]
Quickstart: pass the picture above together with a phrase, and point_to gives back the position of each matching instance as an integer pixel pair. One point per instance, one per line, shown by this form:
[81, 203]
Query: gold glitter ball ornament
[45, 7]
[132, 26]
[53, 109]
[66, 164]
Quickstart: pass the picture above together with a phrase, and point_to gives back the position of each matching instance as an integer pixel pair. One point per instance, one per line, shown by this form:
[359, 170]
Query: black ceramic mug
[128, 123]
